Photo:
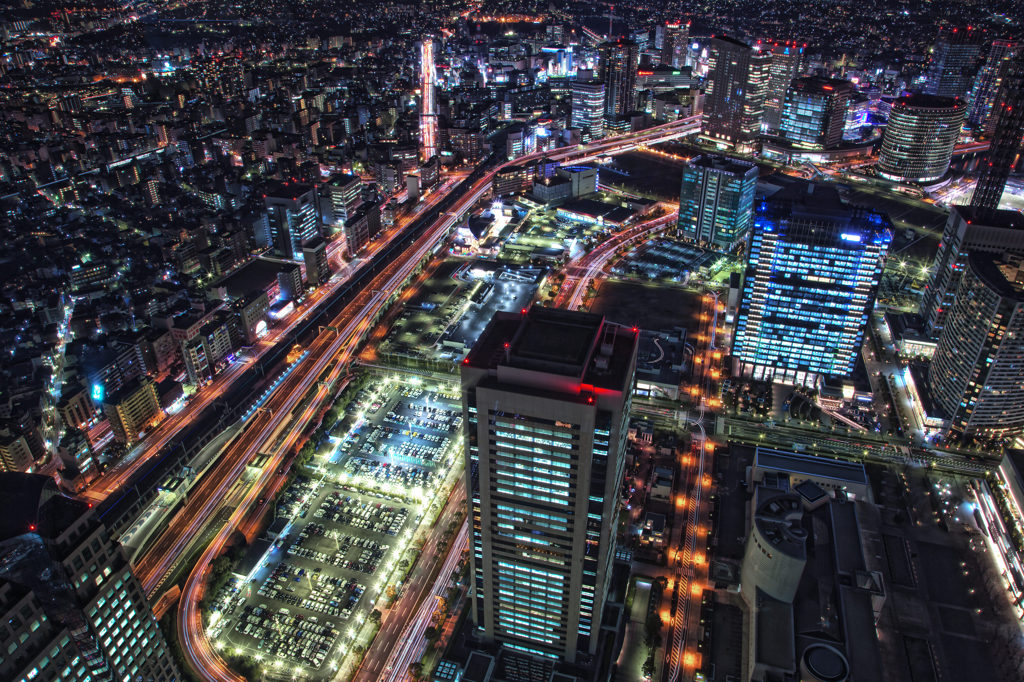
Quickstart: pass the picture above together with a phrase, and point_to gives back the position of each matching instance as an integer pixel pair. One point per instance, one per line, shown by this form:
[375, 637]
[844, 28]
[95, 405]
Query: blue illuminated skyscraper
[546, 398]
[812, 273]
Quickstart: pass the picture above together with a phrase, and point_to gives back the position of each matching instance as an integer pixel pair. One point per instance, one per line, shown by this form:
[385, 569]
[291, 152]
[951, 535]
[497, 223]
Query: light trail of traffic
[687, 579]
[271, 424]
[574, 289]
[121, 473]
[373, 666]
[412, 640]
[428, 113]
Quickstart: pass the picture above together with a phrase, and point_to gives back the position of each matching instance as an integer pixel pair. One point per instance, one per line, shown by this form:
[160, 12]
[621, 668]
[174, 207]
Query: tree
[431, 634]
[652, 632]
[648, 669]
[375, 616]
[415, 670]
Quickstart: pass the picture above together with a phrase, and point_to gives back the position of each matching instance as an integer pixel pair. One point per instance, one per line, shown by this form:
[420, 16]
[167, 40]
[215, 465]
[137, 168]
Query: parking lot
[296, 607]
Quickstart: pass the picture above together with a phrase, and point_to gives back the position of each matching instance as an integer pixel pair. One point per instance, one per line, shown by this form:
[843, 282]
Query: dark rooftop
[287, 190]
[922, 101]
[561, 342]
[991, 218]
[723, 164]
[565, 339]
[32, 503]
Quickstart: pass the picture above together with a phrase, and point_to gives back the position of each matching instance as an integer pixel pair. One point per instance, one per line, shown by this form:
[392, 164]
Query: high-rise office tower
[1006, 138]
[812, 274]
[344, 193]
[954, 62]
[968, 230]
[546, 398]
[293, 217]
[989, 79]
[716, 201]
[588, 108]
[618, 71]
[737, 84]
[918, 142]
[71, 608]
[787, 64]
[977, 373]
[318, 267]
[814, 113]
[675, 44]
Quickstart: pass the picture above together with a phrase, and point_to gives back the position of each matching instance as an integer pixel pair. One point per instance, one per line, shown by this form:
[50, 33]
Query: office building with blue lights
[546, 398]
[293, 217]
[716, 201]
[812, 273]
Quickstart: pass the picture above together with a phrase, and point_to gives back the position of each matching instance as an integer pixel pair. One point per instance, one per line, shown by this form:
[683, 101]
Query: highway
[118, 475]
[421, 581]
[580, 272]
[274, 430]
[411, 640]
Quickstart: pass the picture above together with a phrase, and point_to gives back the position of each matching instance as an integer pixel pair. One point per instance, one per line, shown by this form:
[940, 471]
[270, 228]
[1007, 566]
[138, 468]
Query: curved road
[271, 424]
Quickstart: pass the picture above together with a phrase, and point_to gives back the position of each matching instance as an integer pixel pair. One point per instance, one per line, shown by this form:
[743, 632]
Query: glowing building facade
[546, 397]
[812, 273]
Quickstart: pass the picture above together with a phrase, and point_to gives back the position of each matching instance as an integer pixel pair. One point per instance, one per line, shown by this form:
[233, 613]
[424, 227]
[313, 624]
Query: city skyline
[511, 341]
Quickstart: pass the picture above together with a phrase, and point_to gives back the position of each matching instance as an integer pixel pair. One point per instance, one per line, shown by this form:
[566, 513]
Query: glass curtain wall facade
[293, 217]
[716, 201]
[588, 109]
[918, 142]
[814, 113]
[812, 274]
[954, 62]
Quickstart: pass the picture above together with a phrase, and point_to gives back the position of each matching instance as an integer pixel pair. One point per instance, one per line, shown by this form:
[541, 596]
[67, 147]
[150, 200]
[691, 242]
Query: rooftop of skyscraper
[722, 163]
[1003, 273]
[33, 504]
[567, 343]
[990, 217]
[799, 202]
[919, 100]
[287, 190]
[731, 41]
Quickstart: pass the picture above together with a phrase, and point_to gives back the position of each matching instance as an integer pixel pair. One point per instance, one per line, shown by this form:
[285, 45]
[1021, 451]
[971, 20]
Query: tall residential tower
[977, 372]
[737, 84]
[1008, 129]
[619, 61]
